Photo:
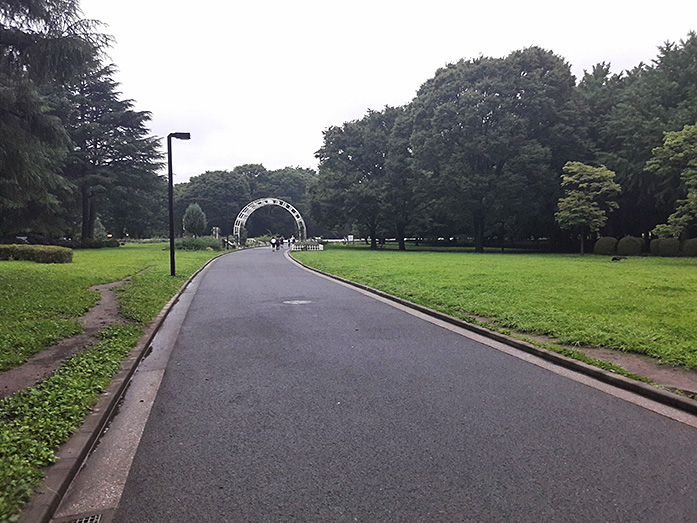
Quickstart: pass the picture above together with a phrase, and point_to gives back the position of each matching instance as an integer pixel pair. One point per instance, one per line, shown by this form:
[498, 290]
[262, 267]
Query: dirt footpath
[45, 363]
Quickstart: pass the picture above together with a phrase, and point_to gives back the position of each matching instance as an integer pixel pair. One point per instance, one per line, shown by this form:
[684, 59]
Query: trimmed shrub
[36, 253]
[669, 247]
[689, 247]
[605, 245]
[630, 246]
[91, 243]
[653, 246]
[198, 244]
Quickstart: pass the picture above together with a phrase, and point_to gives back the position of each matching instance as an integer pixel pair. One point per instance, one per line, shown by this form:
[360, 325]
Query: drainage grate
[95, 518]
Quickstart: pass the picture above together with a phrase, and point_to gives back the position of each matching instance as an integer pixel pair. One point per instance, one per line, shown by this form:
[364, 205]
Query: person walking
[273, 244]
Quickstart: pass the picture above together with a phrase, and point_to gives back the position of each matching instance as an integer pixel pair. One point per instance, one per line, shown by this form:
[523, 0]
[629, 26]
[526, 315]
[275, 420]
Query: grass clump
[642, 305]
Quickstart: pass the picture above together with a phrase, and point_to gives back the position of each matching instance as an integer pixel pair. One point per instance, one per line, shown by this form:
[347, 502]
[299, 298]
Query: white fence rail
[298, 246]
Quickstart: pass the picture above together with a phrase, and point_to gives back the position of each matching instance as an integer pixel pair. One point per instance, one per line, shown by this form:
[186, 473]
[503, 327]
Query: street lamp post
[179, 136]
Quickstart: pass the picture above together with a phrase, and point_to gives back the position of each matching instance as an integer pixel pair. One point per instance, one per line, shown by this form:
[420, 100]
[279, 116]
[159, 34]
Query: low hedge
[198, 244]
[689, 247]
[606, 245]
[630, 246]
[669, 247]
[36, 253]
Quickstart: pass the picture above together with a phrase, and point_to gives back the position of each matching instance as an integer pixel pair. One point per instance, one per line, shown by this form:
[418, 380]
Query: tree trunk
[478, 220]
[582, 238]
[87, 211]
[400, 228]
[373, 237]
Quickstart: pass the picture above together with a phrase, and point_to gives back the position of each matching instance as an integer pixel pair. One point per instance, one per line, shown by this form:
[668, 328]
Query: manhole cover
[297, 302]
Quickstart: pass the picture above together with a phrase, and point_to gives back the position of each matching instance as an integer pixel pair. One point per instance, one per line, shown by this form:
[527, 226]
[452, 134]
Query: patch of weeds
[35, 421]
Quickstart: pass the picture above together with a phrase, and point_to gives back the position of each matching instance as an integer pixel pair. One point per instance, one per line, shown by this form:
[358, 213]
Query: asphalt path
[290, 397]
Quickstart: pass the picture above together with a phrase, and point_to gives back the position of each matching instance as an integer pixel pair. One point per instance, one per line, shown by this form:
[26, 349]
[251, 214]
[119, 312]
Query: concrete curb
[642, 389]
[74, 452]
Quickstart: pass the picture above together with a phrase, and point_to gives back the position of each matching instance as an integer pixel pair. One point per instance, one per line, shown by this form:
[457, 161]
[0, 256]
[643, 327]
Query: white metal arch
[245, 213]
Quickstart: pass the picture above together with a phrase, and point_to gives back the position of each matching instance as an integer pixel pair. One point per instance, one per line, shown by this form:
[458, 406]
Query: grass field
[39, 304]
[646, 305]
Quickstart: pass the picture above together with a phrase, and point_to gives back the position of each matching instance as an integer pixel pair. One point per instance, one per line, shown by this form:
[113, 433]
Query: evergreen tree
[195, 220]
[114, 160]
[42, 43]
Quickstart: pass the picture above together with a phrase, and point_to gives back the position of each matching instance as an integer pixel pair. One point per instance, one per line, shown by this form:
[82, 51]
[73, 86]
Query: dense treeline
[222, 195]
[74, 156]
[492, 151]
[480, 151]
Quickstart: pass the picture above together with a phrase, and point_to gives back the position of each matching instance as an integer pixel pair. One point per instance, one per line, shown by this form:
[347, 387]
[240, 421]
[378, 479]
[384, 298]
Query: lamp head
[180, 136]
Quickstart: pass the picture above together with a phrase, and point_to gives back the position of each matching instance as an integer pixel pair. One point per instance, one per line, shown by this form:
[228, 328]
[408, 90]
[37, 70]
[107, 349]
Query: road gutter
[72, 454]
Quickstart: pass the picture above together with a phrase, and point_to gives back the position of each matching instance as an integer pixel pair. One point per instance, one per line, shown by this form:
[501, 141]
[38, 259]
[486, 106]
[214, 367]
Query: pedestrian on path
[273, 244]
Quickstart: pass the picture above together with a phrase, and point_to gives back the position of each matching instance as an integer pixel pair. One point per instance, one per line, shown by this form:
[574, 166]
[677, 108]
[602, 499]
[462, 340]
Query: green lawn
[643, 304]
[39, 304]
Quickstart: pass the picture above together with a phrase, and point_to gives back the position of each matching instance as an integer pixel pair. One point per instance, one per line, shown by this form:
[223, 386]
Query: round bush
[689, 247]
[605, 245]
[669, 247]
[653, 246]
[630, 246]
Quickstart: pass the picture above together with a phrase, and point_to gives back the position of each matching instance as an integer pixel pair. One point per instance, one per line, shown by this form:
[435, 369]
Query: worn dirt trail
[45, 363]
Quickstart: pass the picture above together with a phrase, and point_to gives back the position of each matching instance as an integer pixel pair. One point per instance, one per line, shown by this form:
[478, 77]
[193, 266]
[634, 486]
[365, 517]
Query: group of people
[278, 243]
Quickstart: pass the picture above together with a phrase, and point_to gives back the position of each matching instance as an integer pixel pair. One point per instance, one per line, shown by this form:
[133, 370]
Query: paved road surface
[289, 397]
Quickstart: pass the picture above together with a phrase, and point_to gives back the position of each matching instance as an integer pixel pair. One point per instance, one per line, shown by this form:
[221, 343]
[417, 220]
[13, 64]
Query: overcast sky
[257, 81]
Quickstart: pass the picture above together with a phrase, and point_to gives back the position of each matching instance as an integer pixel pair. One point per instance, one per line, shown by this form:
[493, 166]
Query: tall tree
[112, 147]
[675, 163]
[589, 192]
[42, 43]
[352, 184]
[195, 220]
[483, 125]
[407, 189]
[221, 195]
[652, 99]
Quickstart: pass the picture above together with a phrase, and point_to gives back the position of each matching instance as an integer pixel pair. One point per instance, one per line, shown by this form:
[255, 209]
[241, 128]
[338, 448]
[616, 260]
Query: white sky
[257, 81]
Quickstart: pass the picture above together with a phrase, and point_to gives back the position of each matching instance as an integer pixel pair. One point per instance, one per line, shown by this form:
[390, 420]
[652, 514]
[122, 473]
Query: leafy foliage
[42, 43]
[676, 160]
[631, 111]
[588, 194]
[113, 161]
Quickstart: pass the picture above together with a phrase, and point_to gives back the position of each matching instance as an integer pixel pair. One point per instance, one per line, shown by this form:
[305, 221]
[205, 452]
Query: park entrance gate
[263, 202]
